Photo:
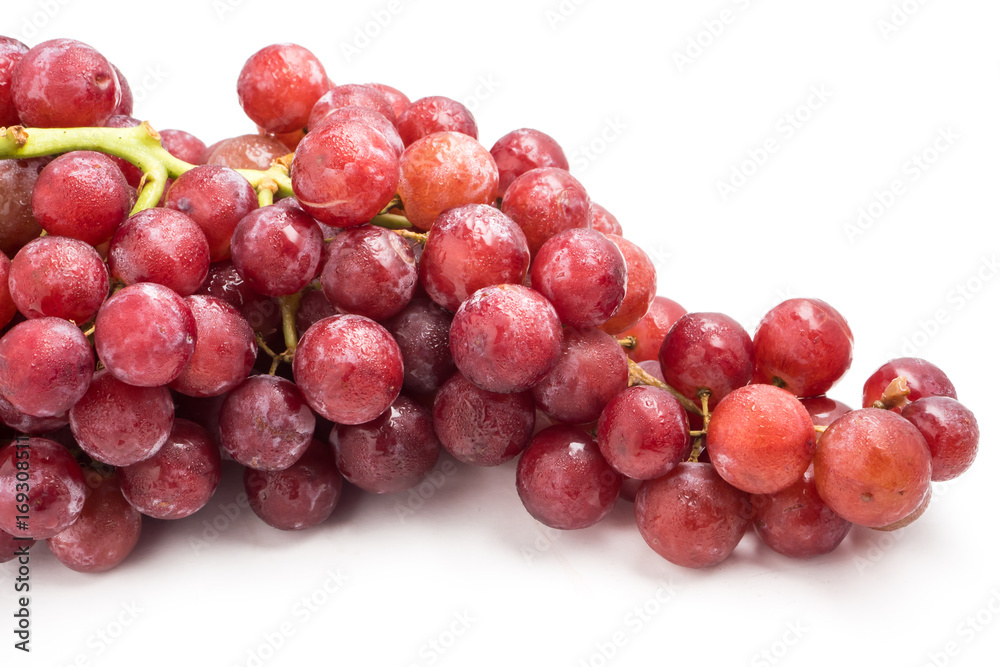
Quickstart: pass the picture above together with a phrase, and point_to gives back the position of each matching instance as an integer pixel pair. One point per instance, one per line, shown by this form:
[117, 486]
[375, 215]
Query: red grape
[643, 432]
[398, 100]
[544, 202]
[216, 198]
[640, 290]
[421, 330]
[127, 101]
[603, 221]
[183, 146]
[24, 423]
[56, 276]
[132, 173]
[922, 378]
[247, 151]
[225, 282]
[279, 85]
[277, 249]
[300, 496]
[370, 117]
[160, 245]
[50, 478]
[224, 350]
[435, 114]
[313, 307]
[11, 51]
[824, 411]
[523, 150]
[352, 94]
[650, 331]
[951, 432]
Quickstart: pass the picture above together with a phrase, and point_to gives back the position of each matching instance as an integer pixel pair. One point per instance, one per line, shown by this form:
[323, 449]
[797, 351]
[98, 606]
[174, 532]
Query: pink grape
[640, 290]
[183, 145]
[951, 432]
[56, 276]
[435, 114]
[279, 85]
[544, 202]
[300, 496]
[922, 379]
[54, 491]
[160, 245]
[643, 432]
[650, 331]
[224, 350]
[351, 94]
[277, 250]
[216, 198]
[523, 150]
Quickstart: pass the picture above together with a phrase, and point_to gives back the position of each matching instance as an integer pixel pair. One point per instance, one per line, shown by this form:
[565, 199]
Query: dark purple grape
[17, 222]
[39, 479]
[300, 496]
[312, 308]
[421, 331]
[225, 282]
[56, 276]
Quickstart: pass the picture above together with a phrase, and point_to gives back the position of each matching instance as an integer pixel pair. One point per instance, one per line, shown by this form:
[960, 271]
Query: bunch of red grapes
[408, 291]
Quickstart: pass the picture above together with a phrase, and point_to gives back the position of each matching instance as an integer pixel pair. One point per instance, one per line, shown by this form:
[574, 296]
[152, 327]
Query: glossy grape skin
[105, 534]
[563, 481]
[471, 247]
[505, 338]
[225, 282]
[592, 369]
[9, 547]
[56, 489]
[444, 170]
[246, 151]
[922, 378]
[17, 221]
[435, 114]
[951, 432]
[344, 173]
[691, 516]
[224, 351]
[396, 98]
[370, 117]
[650, 331]
[421, 330]
[803, 345]
[64, 83]
[179, 479]
[216, 198]
[279, 85]
[300, 496]
[872, 467]
[183, 145]
[127, 101]
[640, 290]
[24, 423]
[277, 250]
[82, 195]
[796, 522]
[56, 276]
[544, 202]
[643, 432]
[603, 221]
[145, 335]
[160, 245]
[265, 423]
[760, 438]
[371, 271]
[45, 366]
[352, 94]
[119, 424]
[523, 150]
[391, 453]
[706, 351]
[479, 427]
[583, 276]
[824, 411]
[349, 369]
[11, 51]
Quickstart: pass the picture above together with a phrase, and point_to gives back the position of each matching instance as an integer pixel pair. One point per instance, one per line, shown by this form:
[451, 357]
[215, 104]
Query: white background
[651, 137]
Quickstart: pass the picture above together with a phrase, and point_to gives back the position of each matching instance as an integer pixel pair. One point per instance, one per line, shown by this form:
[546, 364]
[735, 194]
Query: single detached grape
[277, 250]
[691, 516]
[471, 247]
[82, 195]
[119, 424]
[643, 432]
[796, 522]
[544, 202]
[17, 221]
[216, 198]
[349, 369]
[922, 379]
[265, 423]
[183, 146]
[11, 51]
[179, 479]
[371, 271]
[480, 427]
[300, 496]
[824, 411]
[421, 330]
[391, 453]
[65, 83]
[803, 345]
[640, 290]
[45, 366]
[591, 370]
[872, 467]
[563, 480]
[706, 351]
[603, 221]
[279, 85]
[444, 170]
[506, 338]
[160, 245]
[105, 534]
[39, 479]
[951, 432]
[435, 114]
[350, 95]
[523, 150]
[344, 173]
[650, 331]
[583, 276]
[224, 351]
[56, 276]
[145, 335]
